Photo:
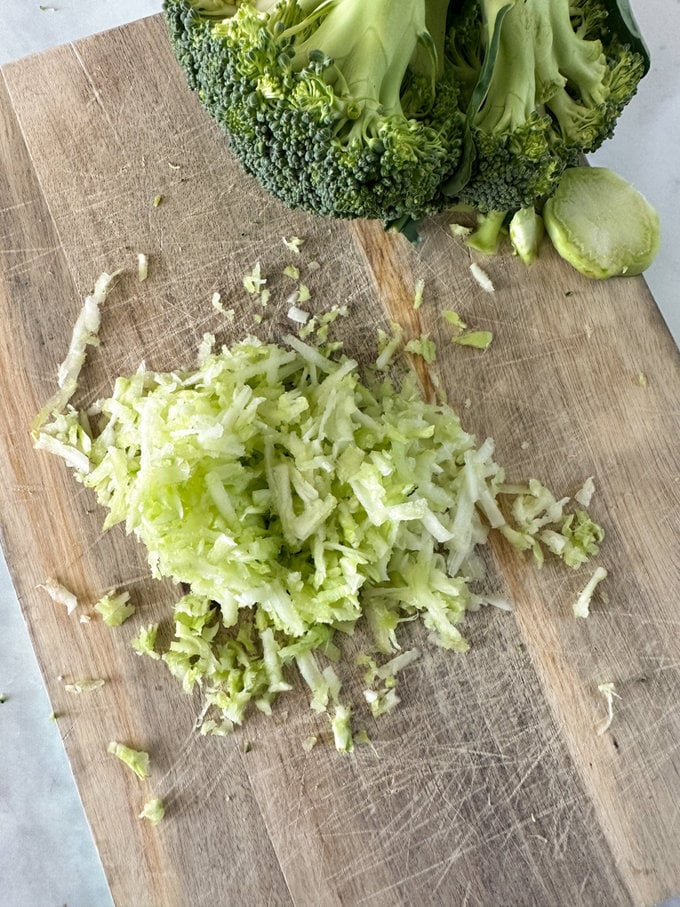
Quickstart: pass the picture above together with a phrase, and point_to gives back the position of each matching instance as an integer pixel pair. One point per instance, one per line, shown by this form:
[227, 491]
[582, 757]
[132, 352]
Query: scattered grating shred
[158, 199]
[137, 760]
[115, 608]
[460, 230]
[142, 266]
[145, 640]
[585, 494]
[642, 379]
[85, 333]
[153, 811]
[254, 281]
[454, 319]
[292, 272]
[418, 295]
[582, 603]
[482, 278]
[388, 345]
[299, 316]
[293, 244]
[608, 690]
[309, 743]
[422, 346]
[84, 686]
[479, 340]
[205, 347]
[216, 301]
[60, 594]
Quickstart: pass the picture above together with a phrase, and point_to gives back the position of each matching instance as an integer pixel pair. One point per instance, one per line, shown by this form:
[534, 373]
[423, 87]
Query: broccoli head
[552, 77]
[344, 108]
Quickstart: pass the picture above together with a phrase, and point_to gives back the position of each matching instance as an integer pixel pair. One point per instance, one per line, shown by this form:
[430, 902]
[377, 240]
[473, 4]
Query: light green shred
[293, 244]
[292, 272]
[453, 318]
[388, 345]
[84, 686]
[213, 728]
[136, 760]
[254, 282]
[309, 743]
[145, 641]
[418, 294]
[153, 811]
[480, 340]
[115, 608]
[422, 346]
[158, 200]
[342, 733]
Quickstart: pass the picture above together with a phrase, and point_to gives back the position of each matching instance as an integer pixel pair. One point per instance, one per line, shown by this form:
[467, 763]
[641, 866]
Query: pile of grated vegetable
[295, 498]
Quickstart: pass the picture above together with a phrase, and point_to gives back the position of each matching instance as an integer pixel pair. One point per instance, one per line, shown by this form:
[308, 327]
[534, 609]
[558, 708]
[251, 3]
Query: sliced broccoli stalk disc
[601, 224]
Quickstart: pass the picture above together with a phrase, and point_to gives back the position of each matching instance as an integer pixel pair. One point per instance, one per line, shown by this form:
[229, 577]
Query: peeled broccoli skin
[552, 77]
[345, 108]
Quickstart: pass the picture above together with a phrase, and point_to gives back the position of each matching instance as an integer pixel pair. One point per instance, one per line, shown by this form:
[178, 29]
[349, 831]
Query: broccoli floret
[552, 79]
[341, 107]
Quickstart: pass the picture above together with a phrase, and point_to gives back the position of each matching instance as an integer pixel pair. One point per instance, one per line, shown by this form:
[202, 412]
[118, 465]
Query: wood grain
[490, 784]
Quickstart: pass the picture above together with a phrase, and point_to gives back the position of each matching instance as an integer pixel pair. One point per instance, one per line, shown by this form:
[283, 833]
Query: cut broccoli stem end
[487, 236]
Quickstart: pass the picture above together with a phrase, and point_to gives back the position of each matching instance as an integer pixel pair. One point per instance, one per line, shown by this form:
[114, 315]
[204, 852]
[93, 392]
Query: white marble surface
[47, 857]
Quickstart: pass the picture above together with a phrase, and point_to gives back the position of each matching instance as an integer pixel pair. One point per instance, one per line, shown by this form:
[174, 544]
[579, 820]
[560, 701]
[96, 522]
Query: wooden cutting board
[490, 784]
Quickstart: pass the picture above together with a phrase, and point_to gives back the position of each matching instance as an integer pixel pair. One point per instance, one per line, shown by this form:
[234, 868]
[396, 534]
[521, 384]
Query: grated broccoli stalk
[296, 499]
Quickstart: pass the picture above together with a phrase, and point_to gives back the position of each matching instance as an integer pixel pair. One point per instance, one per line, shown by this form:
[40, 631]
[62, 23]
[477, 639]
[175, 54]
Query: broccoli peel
[341, 108]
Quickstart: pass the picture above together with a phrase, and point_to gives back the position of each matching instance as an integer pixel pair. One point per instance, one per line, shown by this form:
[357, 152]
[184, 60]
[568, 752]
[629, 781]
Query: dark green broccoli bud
[552, 79]
[341, 107]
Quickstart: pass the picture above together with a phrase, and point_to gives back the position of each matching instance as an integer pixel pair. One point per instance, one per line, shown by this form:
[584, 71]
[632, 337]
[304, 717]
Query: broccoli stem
[511, 97]
[371, 46]
[487, 235]
[542, 60]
